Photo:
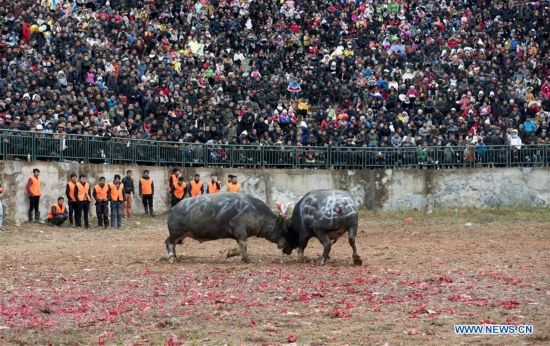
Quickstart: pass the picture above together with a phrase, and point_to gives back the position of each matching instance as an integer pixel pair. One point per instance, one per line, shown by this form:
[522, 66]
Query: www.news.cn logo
[494, 329]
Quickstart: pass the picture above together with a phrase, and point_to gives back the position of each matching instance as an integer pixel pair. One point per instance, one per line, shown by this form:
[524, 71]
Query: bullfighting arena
[422, 274]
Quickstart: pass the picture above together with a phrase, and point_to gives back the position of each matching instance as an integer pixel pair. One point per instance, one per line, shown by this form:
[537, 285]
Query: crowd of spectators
[362, 73]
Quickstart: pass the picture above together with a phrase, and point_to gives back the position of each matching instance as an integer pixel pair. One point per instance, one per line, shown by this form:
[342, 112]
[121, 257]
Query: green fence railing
[56, 147]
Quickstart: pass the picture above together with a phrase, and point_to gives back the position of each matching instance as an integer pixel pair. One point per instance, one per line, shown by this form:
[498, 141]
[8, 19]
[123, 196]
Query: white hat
[26, 96]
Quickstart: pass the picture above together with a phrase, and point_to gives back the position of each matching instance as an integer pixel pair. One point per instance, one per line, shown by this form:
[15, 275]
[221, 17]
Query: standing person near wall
[178, 191]
[128, 184]
[58, 214]
[82, 195]
[196, 187]
[173, 179]
[69, 192]
[213, 185]
[34, 191]
[1, 209]
[101, 197]
[146, 192]
[232, 184]
[116, 196]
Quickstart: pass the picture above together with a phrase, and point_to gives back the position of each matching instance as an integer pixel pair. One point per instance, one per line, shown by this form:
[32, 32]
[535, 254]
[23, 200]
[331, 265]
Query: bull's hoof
[322, 261]
[172, 259]
[245, 260]
[232, 253]
[302, 259]
[357, 261]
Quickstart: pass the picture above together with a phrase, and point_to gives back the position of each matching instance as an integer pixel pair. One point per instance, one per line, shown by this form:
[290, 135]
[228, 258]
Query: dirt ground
[422, 274]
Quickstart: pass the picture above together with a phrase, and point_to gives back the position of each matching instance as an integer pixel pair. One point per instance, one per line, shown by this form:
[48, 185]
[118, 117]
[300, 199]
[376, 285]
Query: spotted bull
[325, 215]
[225, 215]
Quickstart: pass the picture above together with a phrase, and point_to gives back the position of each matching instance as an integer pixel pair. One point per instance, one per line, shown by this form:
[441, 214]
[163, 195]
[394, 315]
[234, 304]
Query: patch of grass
[461, 216]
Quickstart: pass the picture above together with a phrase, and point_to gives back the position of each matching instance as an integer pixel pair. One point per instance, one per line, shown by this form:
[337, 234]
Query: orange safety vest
[213, 187]
[174, 180]
[83, 191]
[179, 190]
[35, 188]
[71, 186]
[196, 188]
[116, 194]
[233, 187]
[58, 210]
[146, 186]
[101, 192]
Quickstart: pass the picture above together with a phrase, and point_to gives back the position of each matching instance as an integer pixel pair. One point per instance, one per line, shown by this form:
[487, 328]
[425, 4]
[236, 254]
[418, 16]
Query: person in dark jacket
[128, 192]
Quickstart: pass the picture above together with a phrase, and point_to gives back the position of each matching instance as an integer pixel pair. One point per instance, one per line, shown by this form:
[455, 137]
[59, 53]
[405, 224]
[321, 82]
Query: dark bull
[325, 215]
[224, 215]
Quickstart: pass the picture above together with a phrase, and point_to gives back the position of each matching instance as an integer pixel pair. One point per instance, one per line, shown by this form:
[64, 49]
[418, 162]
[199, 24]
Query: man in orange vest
[34, 191]
[196, 188]
[82, 196]
[173, 179]
[178, 191]
[69, 192]
[116, 196]
[146, 192]
[58, 213]
[100, 194]
[232, 184]
[214, 185]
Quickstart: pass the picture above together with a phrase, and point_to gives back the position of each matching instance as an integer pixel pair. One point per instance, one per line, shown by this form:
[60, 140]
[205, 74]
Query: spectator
[175, 71]
[514, 140]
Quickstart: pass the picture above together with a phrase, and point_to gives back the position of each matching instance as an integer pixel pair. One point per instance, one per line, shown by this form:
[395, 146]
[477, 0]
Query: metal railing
[55, 147]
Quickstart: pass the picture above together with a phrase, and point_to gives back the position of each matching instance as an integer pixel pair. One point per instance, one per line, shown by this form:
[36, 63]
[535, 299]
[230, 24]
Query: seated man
[58, 214]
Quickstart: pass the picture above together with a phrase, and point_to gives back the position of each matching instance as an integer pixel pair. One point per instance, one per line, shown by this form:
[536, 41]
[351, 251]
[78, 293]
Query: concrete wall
[373, 189]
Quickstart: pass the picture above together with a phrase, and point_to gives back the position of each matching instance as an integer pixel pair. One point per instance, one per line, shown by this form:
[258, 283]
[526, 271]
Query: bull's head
[283, 208]
[282, 224]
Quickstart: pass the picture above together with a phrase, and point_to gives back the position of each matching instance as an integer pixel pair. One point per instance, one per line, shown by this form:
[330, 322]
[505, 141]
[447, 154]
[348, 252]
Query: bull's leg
[243, 250]
[302, 244]
[327, 245]
[171, 247]
[352, 234]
